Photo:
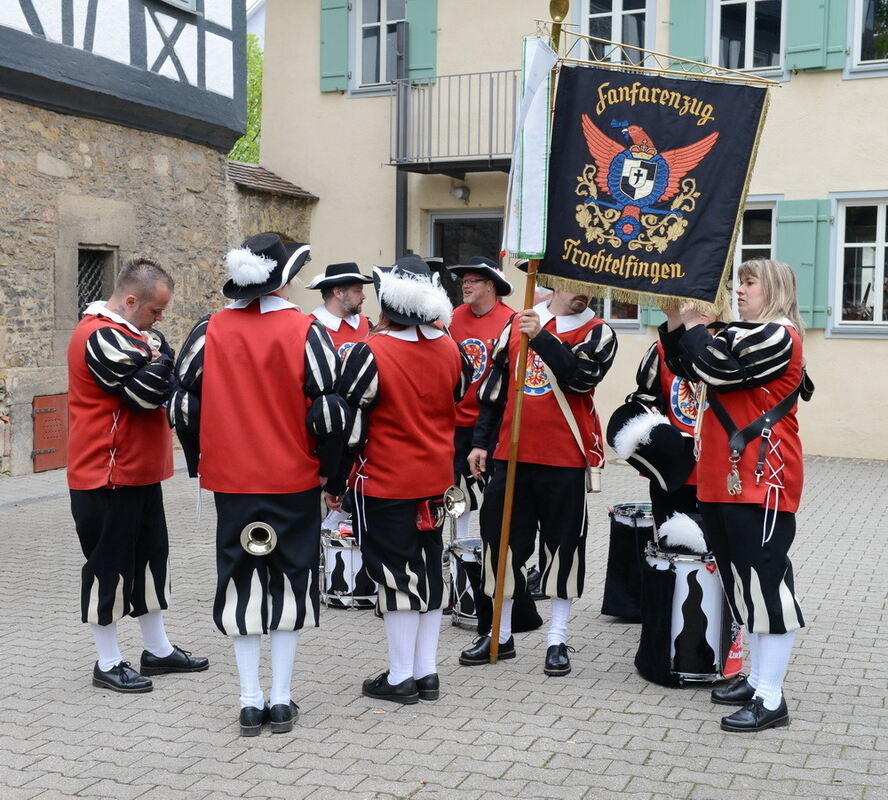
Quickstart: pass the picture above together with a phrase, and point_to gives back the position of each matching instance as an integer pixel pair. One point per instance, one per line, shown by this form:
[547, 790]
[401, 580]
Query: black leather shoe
[755, 717]
[479, 652]
[282, 716]
[428, 687]
[557, 659]
[177, 661]
[121, 678]
[252, 719]
[737, 693]
[380, 689]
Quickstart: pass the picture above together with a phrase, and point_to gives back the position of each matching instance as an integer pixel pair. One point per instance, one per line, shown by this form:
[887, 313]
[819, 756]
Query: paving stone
[496, 733]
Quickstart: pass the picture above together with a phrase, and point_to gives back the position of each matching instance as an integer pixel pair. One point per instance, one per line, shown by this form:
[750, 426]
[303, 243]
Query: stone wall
[72, 182]
[252, 212]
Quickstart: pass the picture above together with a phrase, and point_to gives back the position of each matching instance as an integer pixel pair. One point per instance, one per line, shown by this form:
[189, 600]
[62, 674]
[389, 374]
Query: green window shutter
[651, 315]
[815, 34]
[334, 45]
[687, 34]
[803, 243]
[422, 39]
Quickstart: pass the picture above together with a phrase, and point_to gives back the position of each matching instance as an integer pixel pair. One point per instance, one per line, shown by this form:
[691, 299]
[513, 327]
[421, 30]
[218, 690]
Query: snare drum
[632, 527]
[346, 583]
[688, 635]
[465, 557]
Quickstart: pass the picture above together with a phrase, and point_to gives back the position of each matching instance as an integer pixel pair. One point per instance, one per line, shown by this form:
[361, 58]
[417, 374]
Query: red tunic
[253, 433]
[409, 449]
[545, 435]
[781, 485]
[109, 444]
[478, 336]
[680, 396]
[346, 336]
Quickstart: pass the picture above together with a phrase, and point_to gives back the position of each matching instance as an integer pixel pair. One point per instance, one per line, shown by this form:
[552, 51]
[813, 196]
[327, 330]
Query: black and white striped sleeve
[648, 392]
[581, 367]
[183, 410]
[329, 417]
[465, 375]
[741, 356]
[122, 365]
[493, 393]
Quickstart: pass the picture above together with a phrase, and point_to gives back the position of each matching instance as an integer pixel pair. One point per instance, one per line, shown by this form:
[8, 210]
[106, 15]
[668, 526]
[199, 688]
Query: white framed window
[748, 34]
[381, 41]
[757, 239]
[627, 22]
[860, 290]
[869, 46]
[615, 311]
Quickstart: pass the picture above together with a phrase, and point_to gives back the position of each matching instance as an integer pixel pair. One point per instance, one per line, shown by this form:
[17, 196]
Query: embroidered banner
[647, 178]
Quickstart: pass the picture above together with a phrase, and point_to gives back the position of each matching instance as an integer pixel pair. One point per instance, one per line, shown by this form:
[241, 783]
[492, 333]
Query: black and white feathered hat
[651, 444]
[682, 534]
[488, 269]
[410, 294]
[339, 275]
[263, 264]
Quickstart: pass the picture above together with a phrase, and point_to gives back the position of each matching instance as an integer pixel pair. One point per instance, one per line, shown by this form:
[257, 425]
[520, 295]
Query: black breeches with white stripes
[123, 535]
[551, 499]
[754, 564]
[277, 591]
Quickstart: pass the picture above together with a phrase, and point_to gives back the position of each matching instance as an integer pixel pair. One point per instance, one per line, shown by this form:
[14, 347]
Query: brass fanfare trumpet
[258, 538]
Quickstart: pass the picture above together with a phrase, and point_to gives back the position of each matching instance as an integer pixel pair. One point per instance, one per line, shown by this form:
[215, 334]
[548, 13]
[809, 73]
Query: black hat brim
[235, 291]
[399, 318]
[500, 285]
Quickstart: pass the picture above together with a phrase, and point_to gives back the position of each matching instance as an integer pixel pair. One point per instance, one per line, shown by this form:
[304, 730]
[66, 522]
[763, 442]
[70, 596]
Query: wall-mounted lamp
[460, 192]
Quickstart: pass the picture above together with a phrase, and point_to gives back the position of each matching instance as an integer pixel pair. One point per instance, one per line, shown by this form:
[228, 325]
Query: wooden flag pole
[558, 11]
[511, 469]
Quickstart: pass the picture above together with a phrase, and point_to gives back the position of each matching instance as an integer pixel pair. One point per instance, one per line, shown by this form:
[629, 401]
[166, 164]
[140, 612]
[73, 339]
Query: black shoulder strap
[760, 427]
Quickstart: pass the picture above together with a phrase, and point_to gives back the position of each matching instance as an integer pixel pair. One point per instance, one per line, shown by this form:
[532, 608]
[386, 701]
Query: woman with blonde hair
[750, 471]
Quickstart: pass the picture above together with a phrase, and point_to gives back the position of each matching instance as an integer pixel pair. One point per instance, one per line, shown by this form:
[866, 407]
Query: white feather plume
[414, 296]
[681, 531]
[636, 433]
[247, 268]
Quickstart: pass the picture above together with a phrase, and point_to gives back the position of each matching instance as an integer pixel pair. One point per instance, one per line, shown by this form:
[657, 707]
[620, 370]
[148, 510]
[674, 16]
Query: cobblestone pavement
[501, 731]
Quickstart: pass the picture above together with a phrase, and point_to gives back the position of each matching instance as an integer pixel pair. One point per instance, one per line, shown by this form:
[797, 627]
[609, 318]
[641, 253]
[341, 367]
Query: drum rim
[666, 555]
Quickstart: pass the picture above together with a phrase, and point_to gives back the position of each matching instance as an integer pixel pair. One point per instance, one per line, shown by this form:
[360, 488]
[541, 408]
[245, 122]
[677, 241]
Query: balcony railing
[456, 122]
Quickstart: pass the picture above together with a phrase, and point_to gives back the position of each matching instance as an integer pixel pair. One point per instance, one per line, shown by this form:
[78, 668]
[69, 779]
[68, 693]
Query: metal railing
[453, 118]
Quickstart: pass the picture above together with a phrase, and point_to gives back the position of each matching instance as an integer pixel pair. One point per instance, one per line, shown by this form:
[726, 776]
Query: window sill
[376, 90]
[630, 325]
[861, 332]
[858, 71]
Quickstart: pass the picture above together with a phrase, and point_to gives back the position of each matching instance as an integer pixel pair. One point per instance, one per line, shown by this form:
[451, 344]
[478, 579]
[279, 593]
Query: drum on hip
[346, 583]
[688, 635]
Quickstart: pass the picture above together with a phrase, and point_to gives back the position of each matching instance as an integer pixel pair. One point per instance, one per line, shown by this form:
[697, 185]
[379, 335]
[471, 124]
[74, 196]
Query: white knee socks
[154, 634]
[558, 625]
[247, 651]
[107, 648]
[773, 660]
[505, 630]
[401, 628]
[283, 656]
[754, 659]
[425, 656]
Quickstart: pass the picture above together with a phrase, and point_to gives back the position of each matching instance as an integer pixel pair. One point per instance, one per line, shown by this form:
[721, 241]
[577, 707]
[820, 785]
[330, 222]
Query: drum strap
[760, 427]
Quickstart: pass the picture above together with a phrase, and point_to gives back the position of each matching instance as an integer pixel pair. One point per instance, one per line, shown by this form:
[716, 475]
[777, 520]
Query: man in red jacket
[262, 426]
[342, 290]
[571, 350]
[119, 450]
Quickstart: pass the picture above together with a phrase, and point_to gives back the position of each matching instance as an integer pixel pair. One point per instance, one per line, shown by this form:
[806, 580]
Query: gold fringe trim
[664, 301]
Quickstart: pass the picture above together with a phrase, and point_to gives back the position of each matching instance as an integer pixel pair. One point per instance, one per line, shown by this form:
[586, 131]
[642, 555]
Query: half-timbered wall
[149, 64]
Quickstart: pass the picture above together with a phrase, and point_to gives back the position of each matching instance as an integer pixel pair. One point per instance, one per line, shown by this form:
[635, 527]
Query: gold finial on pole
[558, 11]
